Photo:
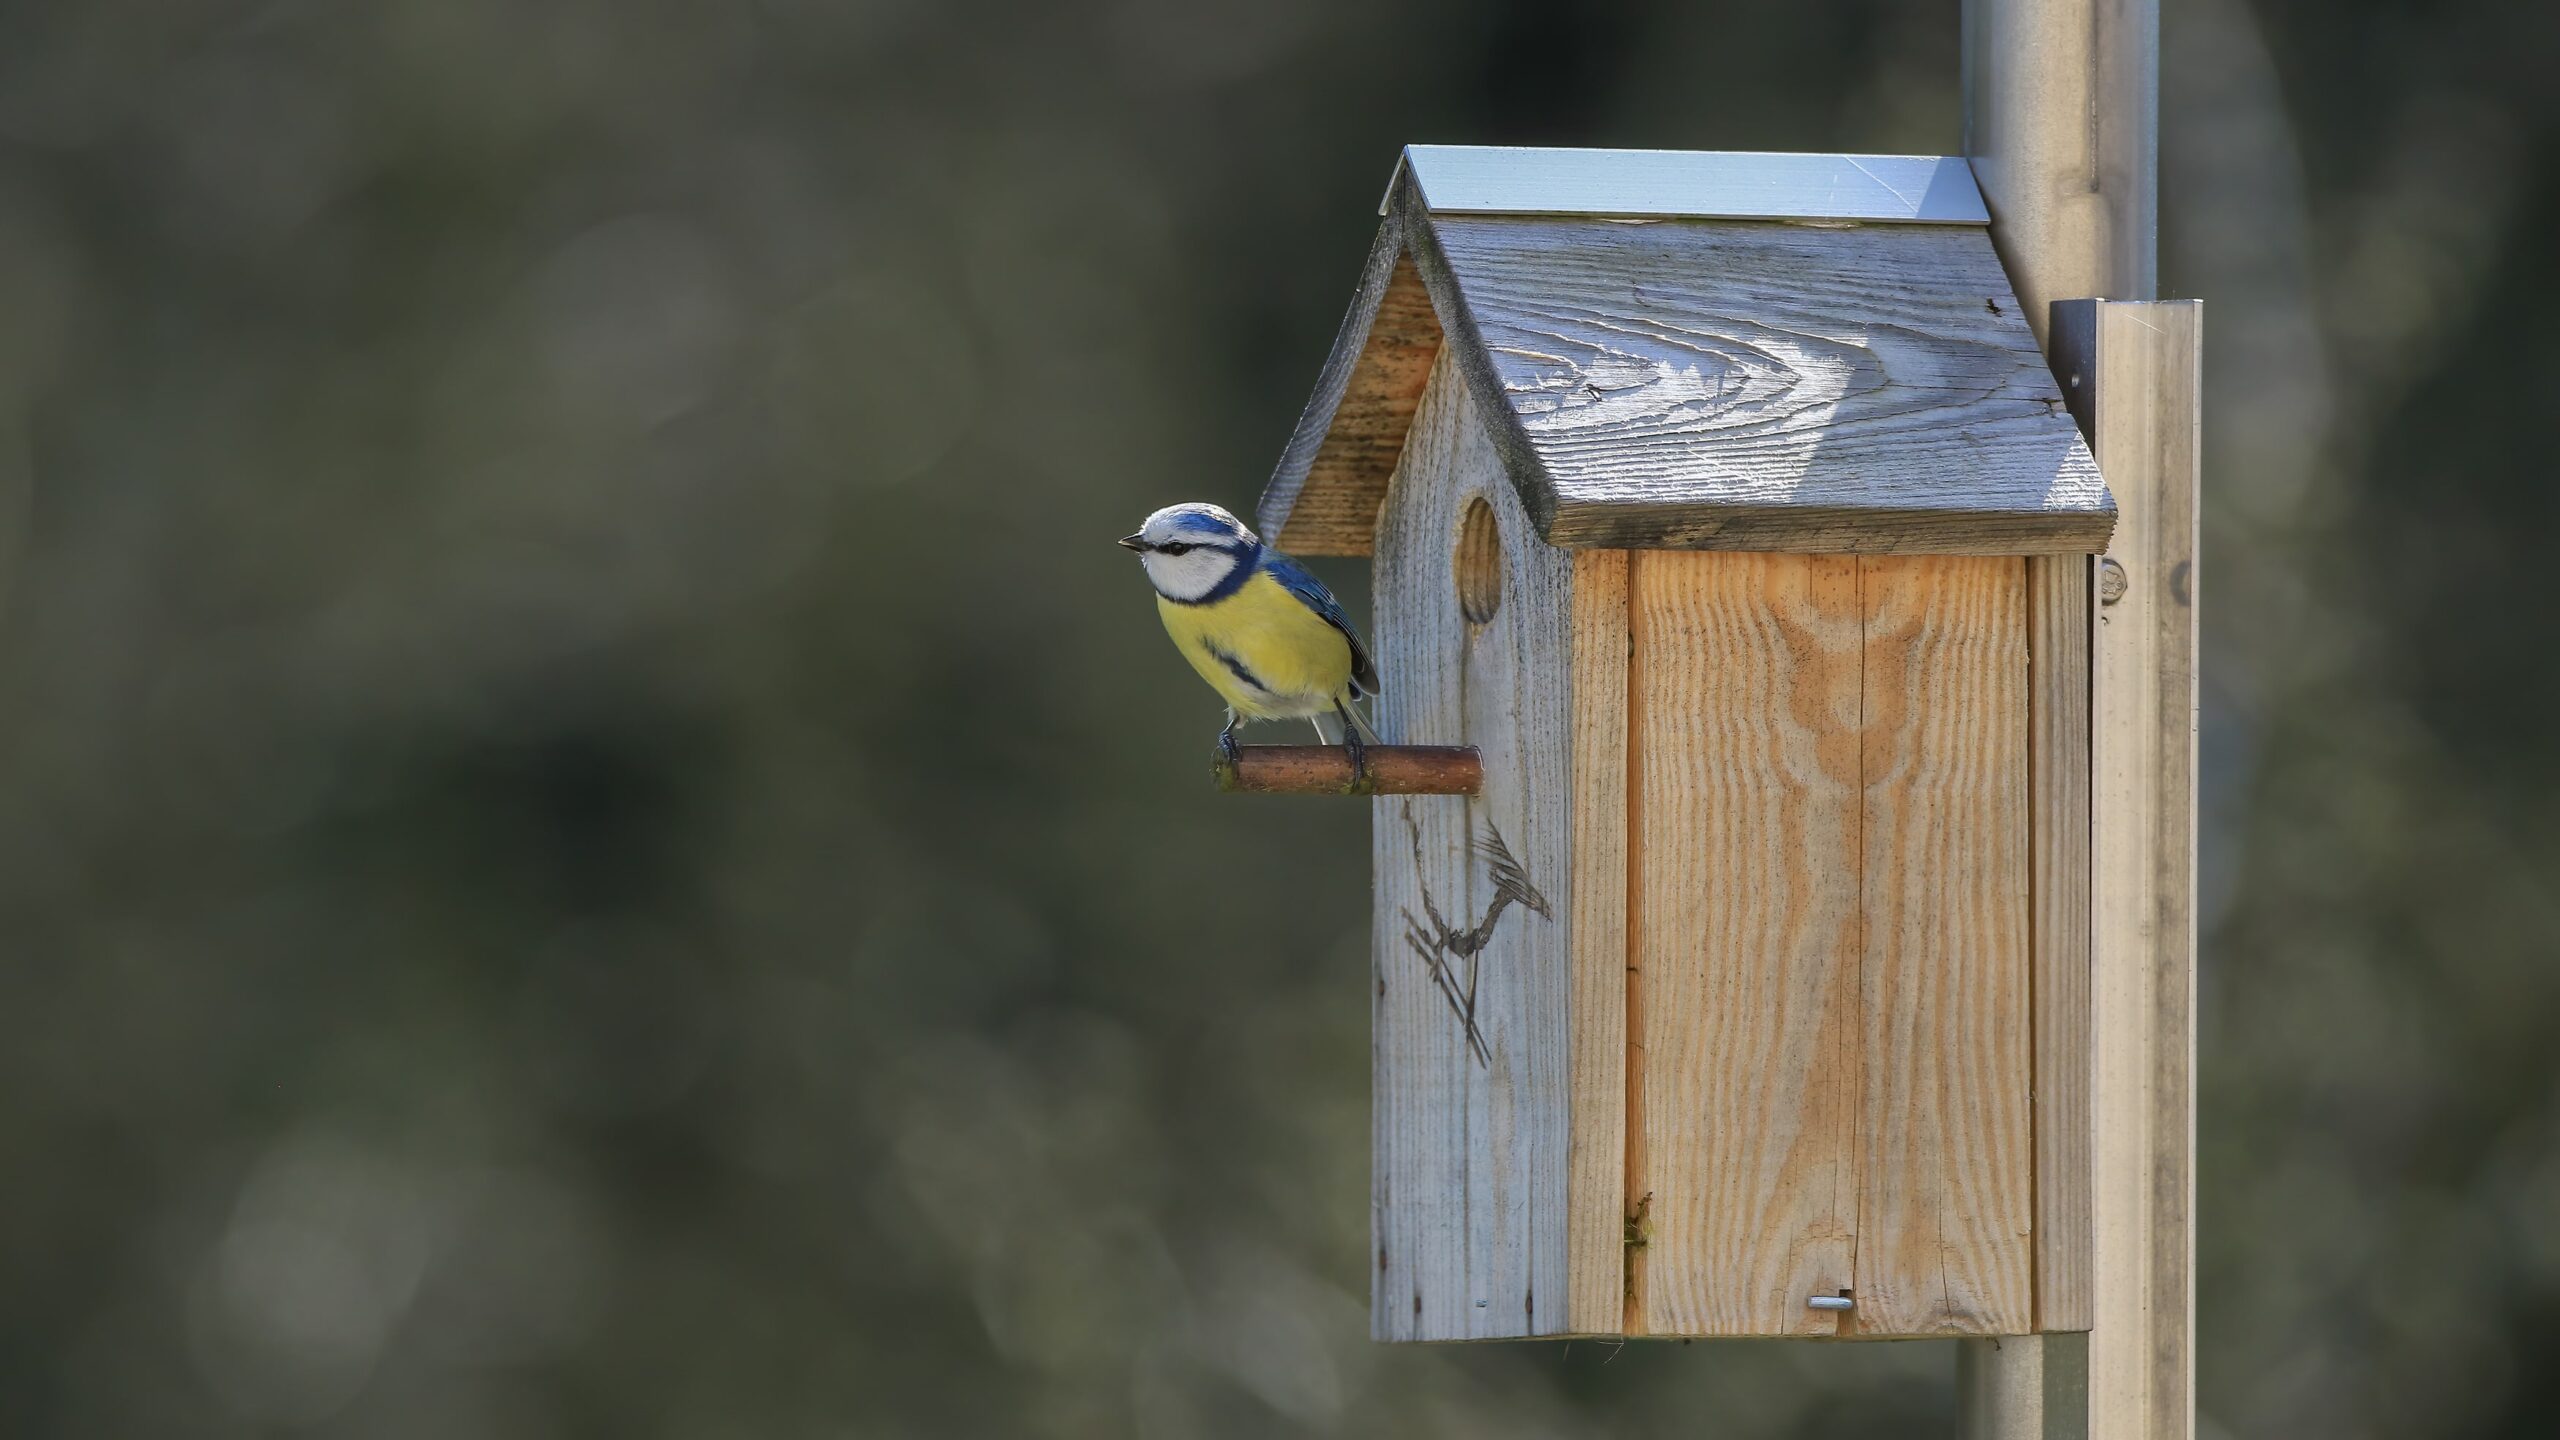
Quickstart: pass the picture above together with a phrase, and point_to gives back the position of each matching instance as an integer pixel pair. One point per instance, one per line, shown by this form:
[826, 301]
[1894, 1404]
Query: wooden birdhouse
[1726, 505]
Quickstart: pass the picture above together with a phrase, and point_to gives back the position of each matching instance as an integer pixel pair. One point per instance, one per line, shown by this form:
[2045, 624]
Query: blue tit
[1265, 634]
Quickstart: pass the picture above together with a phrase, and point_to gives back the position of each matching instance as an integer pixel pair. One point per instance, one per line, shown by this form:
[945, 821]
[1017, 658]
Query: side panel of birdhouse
[1829, 1085]
[1499, 947]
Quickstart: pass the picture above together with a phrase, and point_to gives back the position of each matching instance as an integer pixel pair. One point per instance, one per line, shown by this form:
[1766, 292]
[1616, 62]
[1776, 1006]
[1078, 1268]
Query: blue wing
[1293, 577]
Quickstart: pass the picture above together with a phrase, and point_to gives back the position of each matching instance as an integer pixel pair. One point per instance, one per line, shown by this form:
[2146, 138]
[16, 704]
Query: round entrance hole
[1479, 563]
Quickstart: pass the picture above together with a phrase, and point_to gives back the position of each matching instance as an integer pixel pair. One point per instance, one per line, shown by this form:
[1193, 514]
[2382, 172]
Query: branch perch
[1326, 770]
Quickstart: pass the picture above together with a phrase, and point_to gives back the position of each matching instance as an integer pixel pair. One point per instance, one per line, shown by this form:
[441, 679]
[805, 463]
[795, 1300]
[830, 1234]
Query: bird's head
[1189, 551]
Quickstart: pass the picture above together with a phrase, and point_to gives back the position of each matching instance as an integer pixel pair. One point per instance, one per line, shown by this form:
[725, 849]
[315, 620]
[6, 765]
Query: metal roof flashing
[1691, 184]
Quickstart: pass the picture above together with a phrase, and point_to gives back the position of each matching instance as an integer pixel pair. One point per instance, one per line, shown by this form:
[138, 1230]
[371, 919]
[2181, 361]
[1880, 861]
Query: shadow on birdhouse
[1725, 507]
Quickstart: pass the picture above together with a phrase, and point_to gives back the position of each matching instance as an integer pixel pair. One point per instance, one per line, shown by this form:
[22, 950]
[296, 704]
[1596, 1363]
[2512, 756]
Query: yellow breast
[1262, 650]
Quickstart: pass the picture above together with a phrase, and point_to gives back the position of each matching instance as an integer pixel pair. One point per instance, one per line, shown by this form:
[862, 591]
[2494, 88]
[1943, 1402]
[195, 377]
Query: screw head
[2112, 581]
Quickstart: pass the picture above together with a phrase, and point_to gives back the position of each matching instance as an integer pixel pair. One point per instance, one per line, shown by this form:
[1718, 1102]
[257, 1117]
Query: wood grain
[2058, 824]
[1420, 1064]
[1704, 384]
[1323, 497]
[2137, 365]
[1597, 907]
[1830, 1064]
[1945, 1219]
[1474, 1163]
[1326, 770]
[1744, 938]
[1743, 386]
[1635, 1198]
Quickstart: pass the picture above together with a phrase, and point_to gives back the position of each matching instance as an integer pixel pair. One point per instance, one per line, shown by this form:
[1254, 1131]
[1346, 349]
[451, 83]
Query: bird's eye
[1176, 548]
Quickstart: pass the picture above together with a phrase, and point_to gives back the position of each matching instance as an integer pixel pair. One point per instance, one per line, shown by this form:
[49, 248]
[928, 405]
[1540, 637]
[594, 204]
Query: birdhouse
[1726, 506]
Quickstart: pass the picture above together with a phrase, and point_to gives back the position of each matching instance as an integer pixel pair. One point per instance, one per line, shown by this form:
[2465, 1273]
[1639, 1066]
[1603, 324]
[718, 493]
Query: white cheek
[1188, 577]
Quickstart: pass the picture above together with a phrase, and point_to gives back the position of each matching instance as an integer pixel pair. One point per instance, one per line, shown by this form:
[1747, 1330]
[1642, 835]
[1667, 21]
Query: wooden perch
[1326, 770]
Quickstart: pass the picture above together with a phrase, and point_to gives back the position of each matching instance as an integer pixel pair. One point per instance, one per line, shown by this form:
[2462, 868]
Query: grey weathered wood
[1323, 496]
[1474, 1166]
[2138, 365]
[1709, 385]
[1720, 385]
[1695, 184]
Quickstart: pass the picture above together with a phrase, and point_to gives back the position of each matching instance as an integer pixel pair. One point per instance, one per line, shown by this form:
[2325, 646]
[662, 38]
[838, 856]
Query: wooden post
[2062, 125]
[2139, 367]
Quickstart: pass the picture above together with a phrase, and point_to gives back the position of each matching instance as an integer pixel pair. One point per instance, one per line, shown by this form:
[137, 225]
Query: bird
[1265, 634]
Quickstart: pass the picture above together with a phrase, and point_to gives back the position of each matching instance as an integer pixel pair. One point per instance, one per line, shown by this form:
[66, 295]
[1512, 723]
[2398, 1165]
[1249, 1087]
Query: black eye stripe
[1185, 547]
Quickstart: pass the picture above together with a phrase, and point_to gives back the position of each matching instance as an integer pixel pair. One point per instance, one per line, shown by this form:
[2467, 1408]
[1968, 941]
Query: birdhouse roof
[1691, 350]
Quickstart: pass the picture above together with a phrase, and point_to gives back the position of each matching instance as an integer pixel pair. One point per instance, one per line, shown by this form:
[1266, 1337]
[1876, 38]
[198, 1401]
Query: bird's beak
[1131, 542]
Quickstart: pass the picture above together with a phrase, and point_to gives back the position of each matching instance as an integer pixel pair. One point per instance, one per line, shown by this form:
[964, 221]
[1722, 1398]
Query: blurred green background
[594, 841]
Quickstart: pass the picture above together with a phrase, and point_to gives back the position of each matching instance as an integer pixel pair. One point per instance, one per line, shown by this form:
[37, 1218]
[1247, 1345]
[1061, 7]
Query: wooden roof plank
[1704, 384]
[1324, 495]
[1728, 385]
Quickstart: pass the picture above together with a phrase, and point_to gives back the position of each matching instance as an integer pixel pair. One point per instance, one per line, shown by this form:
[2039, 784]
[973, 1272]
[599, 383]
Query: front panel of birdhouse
[1713, 1008]
[1827, 945]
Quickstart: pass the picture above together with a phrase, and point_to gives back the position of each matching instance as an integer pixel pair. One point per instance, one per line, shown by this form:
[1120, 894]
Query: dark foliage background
[594, 841]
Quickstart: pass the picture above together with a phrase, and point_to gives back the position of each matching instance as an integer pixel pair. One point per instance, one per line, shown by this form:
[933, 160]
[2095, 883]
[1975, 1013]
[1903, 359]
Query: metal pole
[2061, 122]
